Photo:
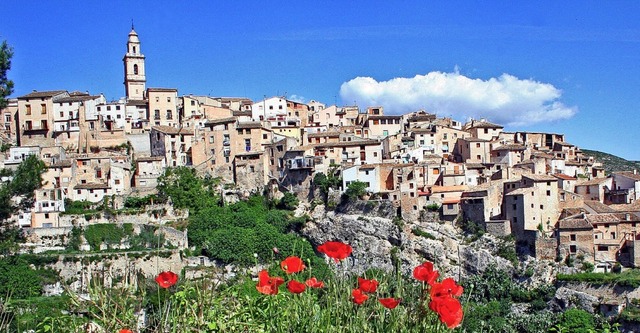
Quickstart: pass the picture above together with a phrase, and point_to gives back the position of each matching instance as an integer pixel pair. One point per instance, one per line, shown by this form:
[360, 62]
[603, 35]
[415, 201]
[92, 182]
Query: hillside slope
[612, 162]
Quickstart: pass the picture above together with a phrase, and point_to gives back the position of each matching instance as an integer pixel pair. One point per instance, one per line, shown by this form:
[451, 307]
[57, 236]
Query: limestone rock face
[566, 298]
[382, 242]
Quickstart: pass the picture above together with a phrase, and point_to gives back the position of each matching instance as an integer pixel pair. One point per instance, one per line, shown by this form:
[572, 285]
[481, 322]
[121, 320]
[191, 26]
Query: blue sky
[557, 66]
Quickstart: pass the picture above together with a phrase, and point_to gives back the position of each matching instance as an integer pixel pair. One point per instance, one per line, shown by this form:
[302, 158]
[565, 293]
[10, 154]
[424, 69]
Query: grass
[629, 278]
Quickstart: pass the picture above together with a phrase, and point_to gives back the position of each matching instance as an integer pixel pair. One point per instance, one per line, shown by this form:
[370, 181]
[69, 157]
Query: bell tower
[134, 76]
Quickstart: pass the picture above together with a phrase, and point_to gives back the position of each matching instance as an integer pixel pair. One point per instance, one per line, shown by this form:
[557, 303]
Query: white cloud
[506, 100]
[297, 98]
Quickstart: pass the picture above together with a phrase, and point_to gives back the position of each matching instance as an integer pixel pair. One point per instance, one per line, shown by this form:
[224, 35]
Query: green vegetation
[288, 202]
[18, 280]
[471, 229]
[107, 233]
[355, 190]
[187, 190]
[25, 180]
[331, 180]
[629, 278]
[6, 85]
[434, 207]
[234, 233]
[507, 250]
[419, 232]
[612, 162]
[139, 202]
[492, 293]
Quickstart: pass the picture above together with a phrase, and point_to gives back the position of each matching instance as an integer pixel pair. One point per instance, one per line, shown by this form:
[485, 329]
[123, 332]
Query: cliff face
[380, 241]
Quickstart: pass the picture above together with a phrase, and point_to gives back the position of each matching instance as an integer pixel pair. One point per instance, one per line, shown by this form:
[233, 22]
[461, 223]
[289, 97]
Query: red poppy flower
[367, 286]
[292, 265]
[124, 330]
[448, 309]
[425, 273]
[448, 287]
[389, 303]
[295, 287]
[314, 283]
[268, 285]
[335, 250]
[167, 279]
[358, 296]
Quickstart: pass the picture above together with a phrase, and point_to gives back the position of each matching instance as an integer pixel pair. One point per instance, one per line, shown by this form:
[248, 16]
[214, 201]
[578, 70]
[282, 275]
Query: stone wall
[546, 248]
[498, 228]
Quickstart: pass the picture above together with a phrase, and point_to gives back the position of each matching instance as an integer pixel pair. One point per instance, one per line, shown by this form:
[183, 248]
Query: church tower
[134, 77]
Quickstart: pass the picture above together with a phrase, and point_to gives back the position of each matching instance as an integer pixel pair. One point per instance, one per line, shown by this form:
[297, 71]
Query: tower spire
[131, 24]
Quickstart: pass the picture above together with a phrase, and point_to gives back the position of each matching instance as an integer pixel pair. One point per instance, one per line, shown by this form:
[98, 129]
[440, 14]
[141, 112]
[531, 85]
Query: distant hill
[612, 162]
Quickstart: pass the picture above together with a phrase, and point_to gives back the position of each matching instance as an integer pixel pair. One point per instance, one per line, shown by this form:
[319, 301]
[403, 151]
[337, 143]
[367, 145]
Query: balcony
[226, 153]
[35, 128]
[226, 142]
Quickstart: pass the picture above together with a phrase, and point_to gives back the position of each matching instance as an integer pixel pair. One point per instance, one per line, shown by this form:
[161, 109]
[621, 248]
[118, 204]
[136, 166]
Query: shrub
[289, 201]
[434, 207]
[419, 232]
[355, 190]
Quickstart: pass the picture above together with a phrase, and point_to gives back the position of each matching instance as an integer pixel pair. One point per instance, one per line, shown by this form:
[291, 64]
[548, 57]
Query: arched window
[135, 69]
[134, 49]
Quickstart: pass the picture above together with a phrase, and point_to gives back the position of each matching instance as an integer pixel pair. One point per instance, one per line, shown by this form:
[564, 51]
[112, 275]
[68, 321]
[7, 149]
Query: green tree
[186, 189]
[355, 190]
[6, 85]
[289, 201]
[21, 189]
[576, 320]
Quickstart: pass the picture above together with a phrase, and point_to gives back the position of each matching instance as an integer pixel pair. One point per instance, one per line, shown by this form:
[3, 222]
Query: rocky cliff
[382, 241]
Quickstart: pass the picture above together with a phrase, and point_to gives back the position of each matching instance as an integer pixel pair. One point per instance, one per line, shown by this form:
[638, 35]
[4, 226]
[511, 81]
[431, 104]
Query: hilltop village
[538, 187]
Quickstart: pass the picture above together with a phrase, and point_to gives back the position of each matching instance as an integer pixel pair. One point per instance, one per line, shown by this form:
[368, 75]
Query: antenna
[131, 24]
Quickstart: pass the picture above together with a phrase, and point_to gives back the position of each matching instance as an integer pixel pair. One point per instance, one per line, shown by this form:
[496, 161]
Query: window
[574, 249]
[477, 144]
[28, 110]
[169, 114]
[515, 206]
[168, 99]
[157, 99]
[541, 206]
[211, 139]
[613, 235]
[135, 69]
[193, 102]
[43, 108]
[602, 248]
[573, 238]
[548, 193]
[117, 181]
[46, 216]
